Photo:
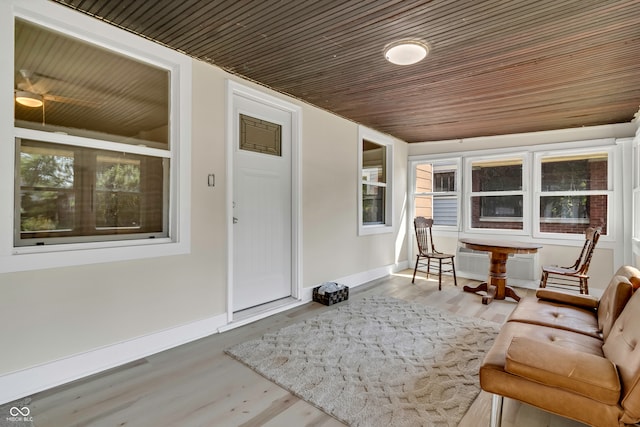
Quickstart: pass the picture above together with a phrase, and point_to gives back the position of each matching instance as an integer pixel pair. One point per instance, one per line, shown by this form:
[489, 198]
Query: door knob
[235, 220]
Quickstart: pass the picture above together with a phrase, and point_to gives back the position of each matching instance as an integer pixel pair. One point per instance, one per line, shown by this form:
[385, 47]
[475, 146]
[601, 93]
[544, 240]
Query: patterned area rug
[378, 362]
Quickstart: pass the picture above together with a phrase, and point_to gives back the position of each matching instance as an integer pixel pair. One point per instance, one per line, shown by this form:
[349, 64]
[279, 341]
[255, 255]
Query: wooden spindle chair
[428, 256]
[576, 274]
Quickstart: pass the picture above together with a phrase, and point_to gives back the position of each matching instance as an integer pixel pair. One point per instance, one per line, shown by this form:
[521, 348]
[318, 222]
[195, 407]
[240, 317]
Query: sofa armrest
[589, 375]
[577, 300]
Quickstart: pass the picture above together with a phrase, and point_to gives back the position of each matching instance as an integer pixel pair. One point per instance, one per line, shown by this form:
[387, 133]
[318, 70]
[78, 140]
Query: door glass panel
[260, 136]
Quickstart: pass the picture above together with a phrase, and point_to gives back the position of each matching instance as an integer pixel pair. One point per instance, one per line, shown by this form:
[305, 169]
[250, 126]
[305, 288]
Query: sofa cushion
[565, 297]
[623, 349]
[496, 356]
[555, 315]
[582, 373]
[612, 302]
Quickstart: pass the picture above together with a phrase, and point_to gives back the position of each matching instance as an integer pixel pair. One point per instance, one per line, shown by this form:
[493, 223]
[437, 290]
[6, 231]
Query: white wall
[49, 315]
[332, 247]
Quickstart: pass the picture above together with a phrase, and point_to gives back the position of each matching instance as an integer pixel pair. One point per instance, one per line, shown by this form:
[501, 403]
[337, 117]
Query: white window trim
[468, 194]
[457, 160]
[365, 133]
[614, 241]
[65, 20]
[635, 204]
[537, 193]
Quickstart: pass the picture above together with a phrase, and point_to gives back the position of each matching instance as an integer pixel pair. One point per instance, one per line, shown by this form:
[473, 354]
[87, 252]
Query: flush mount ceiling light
[28, 99]
[406, 52]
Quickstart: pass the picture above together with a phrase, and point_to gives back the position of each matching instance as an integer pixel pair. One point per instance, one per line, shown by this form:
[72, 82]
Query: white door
[262, 257]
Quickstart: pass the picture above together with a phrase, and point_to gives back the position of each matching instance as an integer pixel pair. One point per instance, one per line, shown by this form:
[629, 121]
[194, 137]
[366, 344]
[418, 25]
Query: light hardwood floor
[198, 385]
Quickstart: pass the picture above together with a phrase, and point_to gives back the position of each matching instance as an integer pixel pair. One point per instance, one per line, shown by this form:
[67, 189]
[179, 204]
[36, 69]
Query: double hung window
[574, 190]
[93, 147]
[496, 196]
[374, 183]
[375, 190]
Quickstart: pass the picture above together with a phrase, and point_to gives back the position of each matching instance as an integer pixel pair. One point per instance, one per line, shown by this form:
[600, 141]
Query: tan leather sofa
[573, 355]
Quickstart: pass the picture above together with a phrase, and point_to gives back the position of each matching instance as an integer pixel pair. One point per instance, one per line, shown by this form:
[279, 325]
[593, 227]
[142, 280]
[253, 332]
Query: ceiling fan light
[406, 52]
[28, 99]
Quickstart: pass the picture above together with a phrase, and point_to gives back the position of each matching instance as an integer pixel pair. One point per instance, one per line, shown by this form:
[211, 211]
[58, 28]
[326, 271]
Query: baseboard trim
[357, 279]
[23, 383]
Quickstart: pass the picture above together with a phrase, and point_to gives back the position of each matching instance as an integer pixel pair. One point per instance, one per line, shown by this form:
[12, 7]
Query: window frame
[100, 146]
[457, 161]
[66, 21]
[635, 204]
[524, 192]
[538, 157]
[387, 142]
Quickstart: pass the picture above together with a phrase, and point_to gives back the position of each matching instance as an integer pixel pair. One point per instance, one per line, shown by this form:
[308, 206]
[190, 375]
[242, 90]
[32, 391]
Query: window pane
[424, 207]
[373, 207]
[435, 178]
[443, 209]
[374, 160]
[504, 212]
[424, 179]
[503, 175]
[574, 173]
[572, 214]
[46, 189]
[117, 192]
[85, 90]
[444, 181]
[69, 192]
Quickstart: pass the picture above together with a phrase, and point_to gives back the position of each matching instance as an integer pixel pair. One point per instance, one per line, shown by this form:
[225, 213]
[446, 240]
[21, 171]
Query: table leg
[496, 287]
[481, 287]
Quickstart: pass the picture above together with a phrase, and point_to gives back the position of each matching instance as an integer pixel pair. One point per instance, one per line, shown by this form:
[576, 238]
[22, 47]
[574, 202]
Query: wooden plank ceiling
[495, 66]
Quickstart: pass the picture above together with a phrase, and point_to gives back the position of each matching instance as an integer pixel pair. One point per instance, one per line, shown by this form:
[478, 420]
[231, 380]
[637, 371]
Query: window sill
[565, 220]
[500, 219]
[54, 256]
[365, 230]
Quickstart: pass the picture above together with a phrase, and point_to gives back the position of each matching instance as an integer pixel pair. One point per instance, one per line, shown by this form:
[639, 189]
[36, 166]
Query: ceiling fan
[31, 93]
